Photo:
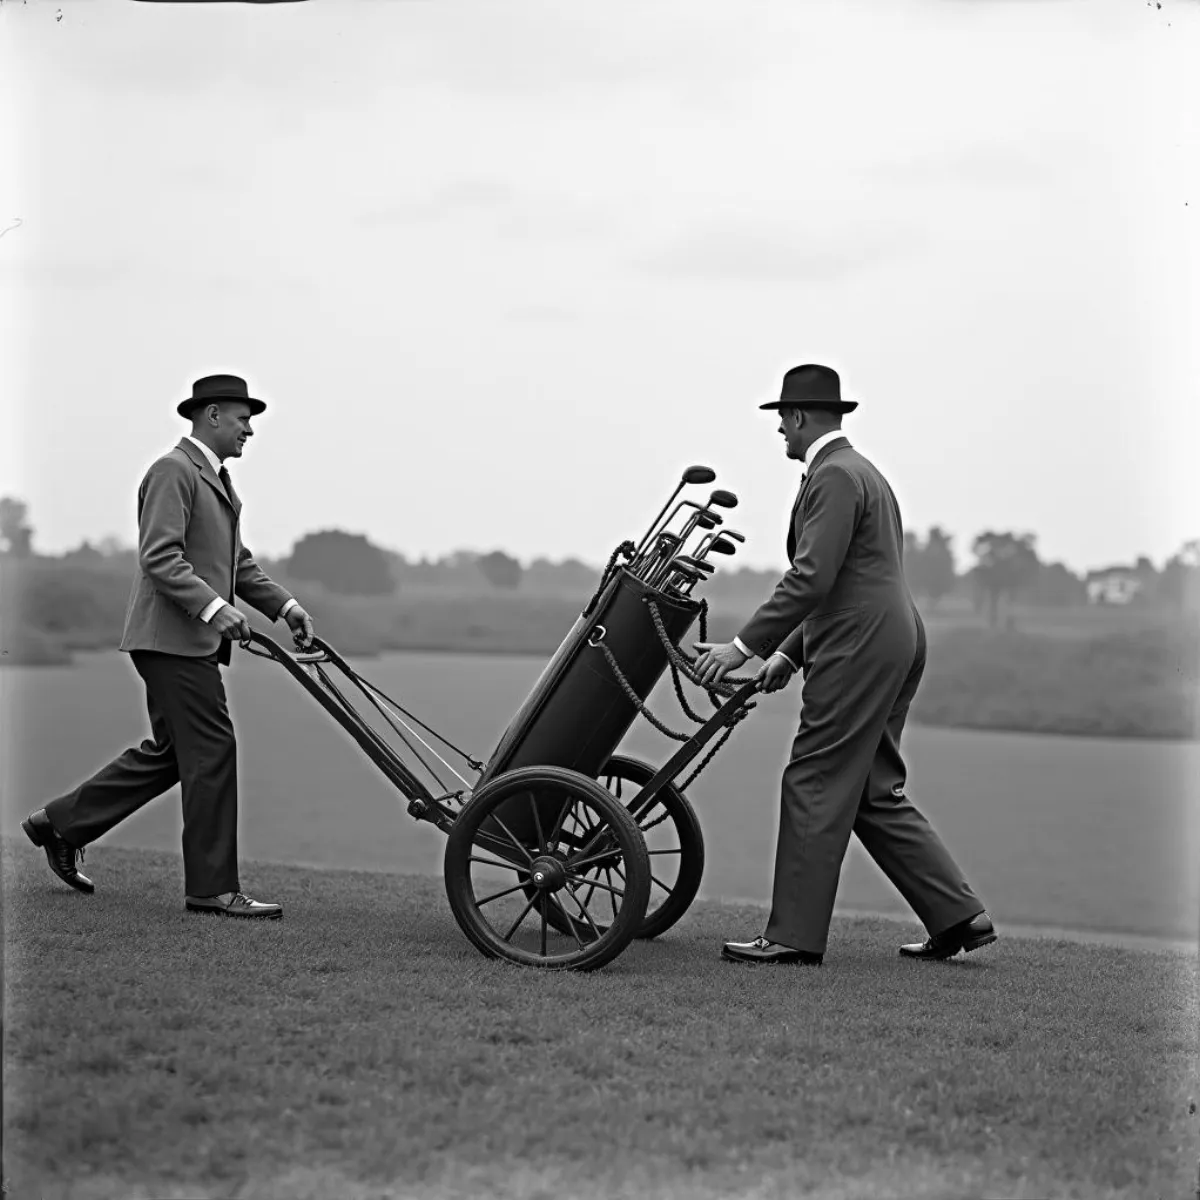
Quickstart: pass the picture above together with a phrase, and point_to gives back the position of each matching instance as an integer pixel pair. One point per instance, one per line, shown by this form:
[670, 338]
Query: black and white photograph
[600, 601]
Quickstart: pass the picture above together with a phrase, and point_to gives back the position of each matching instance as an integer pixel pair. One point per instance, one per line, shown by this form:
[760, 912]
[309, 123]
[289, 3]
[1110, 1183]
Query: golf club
[683, 561]
[718, 545]
[665, 544]
[642, 566]
[720, 498]
[701, 550]
[693, 474]
[690, 504]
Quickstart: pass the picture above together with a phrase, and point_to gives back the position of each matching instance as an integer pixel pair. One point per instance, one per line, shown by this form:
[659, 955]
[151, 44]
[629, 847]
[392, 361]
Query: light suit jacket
[190, 553]
[846, 547]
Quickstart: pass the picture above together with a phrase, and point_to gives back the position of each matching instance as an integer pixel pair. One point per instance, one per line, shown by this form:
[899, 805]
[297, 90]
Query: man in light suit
[179, 628]
[843, 611]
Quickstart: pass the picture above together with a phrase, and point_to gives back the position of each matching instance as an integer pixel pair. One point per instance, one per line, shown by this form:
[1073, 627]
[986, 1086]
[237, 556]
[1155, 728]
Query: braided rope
[634, 699]
[727, 686]
[624, 550]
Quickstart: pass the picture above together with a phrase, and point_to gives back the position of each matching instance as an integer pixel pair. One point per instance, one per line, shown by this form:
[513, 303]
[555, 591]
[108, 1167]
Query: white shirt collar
[820, 444]
[214, 461]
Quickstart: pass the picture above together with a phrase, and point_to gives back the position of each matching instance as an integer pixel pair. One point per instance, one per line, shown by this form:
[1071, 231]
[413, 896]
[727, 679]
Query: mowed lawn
[361, 1048]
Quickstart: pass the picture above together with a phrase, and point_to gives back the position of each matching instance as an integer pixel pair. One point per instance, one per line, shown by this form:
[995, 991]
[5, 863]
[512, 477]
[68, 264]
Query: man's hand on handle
[231, 624]
[716, 660]
[775, 673]
[300, 624]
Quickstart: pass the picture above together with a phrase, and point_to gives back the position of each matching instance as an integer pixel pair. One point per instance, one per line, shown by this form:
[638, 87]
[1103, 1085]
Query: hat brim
[256, 406]
[839, 405]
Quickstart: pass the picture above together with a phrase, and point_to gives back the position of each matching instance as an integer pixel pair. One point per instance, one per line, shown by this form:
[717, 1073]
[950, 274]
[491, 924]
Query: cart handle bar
[423, 804]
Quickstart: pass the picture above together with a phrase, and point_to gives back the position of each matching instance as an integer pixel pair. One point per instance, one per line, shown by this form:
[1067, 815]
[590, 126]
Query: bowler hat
[812, 386]
[212, 389]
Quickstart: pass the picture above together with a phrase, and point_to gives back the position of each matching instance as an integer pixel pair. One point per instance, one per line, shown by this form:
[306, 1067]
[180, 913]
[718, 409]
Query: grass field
[361, 1048]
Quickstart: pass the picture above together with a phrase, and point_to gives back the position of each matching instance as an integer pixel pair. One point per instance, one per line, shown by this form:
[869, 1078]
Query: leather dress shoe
[60, 854]
[966, 935]
[762, 951]
[234, 904]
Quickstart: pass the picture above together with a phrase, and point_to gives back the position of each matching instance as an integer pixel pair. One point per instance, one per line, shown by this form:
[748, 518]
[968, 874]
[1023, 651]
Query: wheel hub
[547, 874]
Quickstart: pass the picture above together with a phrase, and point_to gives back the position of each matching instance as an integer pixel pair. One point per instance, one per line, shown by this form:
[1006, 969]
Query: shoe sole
[31, 832]
[967, 948]
[978, 943]
[245, 916]
[759, 962]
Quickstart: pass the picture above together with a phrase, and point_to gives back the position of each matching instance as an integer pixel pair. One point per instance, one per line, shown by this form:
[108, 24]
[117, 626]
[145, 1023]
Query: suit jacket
[190, 553]
[846, 546]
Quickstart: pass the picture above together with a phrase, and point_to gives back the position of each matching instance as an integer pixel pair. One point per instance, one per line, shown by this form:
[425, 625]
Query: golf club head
[699, 474]
[709, 520]
[720, 546]
[723, 499]
[733, 533]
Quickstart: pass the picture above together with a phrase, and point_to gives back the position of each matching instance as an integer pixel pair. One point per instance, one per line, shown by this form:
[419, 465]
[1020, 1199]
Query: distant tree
[1006, 564]
[343, 562]
[15, 533]
[1057, 586]
[914, 563]
[929, 566]
[1178, 584]
[500, 569]
[939, 572]
[85, 554]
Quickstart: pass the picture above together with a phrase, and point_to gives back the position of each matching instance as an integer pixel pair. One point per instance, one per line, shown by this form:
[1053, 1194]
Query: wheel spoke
[497, 895]
[497, 844]
[612, 899]
[593, 884]
[654, 878]
[492, 862]
[583, 909]
[679, 851]
[537, 824]
[512, 838]
[558, 823]
[569, 921]
[542, 909]
[575, 863]
[524, 914]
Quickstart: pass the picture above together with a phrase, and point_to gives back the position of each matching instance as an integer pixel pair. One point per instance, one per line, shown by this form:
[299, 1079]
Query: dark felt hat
[214, 388]
[812, 386]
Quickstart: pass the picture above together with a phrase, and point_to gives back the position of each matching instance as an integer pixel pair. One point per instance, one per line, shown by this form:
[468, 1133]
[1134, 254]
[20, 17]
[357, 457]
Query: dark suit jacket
[846, 546]
[190, 553]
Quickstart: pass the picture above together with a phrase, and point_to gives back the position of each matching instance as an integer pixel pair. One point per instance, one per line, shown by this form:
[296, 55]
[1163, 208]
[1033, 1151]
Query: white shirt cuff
[787, 660]
[283, 612]
[744, 648]
[210, 610]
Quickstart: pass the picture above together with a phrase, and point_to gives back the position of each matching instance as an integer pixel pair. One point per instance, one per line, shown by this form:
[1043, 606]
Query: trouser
[846, 775]
[191, 743]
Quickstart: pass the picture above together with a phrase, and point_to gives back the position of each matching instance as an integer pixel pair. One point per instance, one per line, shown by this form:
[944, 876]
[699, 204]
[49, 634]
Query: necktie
[226, 483]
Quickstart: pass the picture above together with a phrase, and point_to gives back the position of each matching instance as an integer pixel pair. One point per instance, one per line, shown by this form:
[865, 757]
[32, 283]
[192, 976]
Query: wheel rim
[664, 843]
[542, 872]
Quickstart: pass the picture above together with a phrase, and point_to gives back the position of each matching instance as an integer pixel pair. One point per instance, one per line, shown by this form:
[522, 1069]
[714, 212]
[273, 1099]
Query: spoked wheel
[545, 868]
[674, 843]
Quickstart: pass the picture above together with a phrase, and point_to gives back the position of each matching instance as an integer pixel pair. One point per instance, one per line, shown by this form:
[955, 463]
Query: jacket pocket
[815, 618]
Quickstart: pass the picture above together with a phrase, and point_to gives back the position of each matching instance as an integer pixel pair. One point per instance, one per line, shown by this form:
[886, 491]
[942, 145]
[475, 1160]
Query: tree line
[1006, 569]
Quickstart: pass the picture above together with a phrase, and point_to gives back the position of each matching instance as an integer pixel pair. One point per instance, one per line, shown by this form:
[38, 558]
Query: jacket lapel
[229, 498]
[835, 444]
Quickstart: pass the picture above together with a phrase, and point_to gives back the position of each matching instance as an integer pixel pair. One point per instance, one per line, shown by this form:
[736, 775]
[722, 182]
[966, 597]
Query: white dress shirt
[813, 451]
[211, 609]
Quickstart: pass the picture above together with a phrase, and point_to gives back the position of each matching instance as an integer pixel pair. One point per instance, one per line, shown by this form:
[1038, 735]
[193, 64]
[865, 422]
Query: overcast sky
[501, 270]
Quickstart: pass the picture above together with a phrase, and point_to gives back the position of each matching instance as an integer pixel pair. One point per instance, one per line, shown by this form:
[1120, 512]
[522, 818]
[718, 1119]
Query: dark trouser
[846, 775]
[192, 743]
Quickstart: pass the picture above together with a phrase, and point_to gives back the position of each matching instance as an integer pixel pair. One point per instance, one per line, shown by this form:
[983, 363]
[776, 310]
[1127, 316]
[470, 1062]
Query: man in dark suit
[179, 628]
[843, 611]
